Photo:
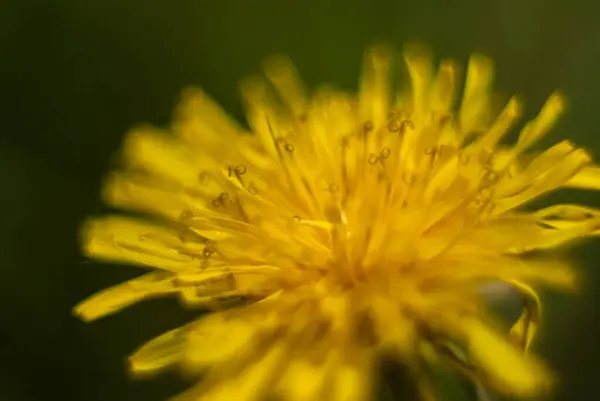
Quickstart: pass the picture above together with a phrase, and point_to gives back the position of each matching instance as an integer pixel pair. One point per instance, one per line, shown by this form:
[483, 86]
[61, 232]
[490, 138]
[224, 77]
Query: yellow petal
[160, 352]
[547, 159]
[203, 124]
[252, 384]
[539, 166]
[554, 178]
[303, 380]
[216, 339]
[375, 93]
[501, 126]
[516, 233]
[542, 124]
[444, 89]
[548, 271]
[132, 240]
[351, 382]
[396, 332]
[113, 299]
[475, 107]
[260, 113]
[150, 196]
[587, 178]
[153, 151]
[420, 70]
[282, 73]
[572, 220]
[502, 364]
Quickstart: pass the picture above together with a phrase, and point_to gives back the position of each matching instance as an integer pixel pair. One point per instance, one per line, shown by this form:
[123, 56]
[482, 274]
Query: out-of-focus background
[76, 74]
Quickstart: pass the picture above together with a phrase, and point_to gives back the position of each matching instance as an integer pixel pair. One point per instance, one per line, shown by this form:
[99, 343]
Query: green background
[75, 74]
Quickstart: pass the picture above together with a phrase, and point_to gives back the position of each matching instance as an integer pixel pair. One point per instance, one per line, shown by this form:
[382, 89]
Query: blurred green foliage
[76, 74]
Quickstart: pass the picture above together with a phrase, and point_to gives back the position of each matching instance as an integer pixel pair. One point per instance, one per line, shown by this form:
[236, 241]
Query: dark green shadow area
[76, 74]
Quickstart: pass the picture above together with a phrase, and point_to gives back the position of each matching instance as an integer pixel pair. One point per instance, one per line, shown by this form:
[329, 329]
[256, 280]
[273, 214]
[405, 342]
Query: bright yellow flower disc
[340, 227]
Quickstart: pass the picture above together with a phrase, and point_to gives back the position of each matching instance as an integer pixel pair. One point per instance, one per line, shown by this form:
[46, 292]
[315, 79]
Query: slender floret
[342, 227]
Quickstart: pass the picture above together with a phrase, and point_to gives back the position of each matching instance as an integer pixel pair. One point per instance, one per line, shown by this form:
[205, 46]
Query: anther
[463, 158]
[203, 177]
[186, 216]
[365, 329]
[406, 123]
[385, 153]
[252, 189]
[490, 172]
[240, 170]
[431, 151]
[289, 147]
[368, 126]
[280, 142]
[482, 197]
[209, 249]
[489, 207]
[394, 126]
[220, 201]
[441, 118]
[345, 141]
[372, 159]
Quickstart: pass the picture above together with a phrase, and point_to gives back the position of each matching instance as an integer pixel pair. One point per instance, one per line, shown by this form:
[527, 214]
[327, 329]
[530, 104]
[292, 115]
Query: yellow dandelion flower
[342, 227]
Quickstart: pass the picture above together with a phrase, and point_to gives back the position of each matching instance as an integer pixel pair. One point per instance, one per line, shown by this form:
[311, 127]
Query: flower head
[341, 227]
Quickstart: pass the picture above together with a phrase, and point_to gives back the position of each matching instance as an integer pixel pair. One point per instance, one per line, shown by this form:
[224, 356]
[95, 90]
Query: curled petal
[524, 330]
